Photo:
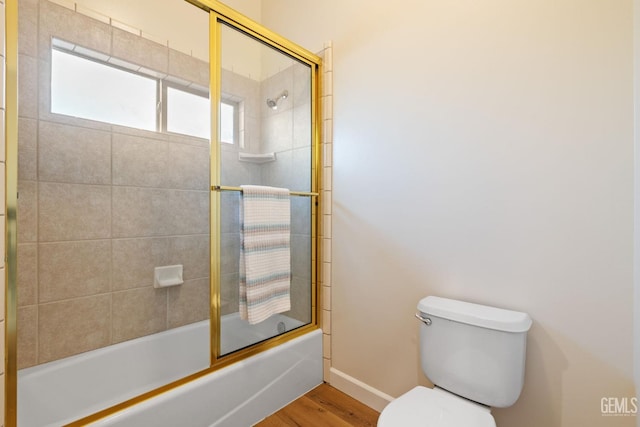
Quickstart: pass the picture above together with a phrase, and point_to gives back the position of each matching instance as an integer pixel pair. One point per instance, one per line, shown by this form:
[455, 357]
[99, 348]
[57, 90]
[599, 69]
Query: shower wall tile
[326, 210]
[28, 133]
[326, 250]
[279, 173]
[189, 140]
[278, 132]
[138, 161]
[189, 68]
[28, 86]
[242, 87]
[44, 95]
[188, 303]
[142, 133]
[3, 142]
[327, 106]
[229, 292]
[230, 212]
[234, 172]
[300, 299]
[326, 297]
[74, 269]
[63, 23]
[73, 326]
[326, 225]
[140, 212]
[252, 135]
[188, 167]
[301, 84]
[73, 154]
[28, 27]
[229, 257]
[46, 115]
[27, 280]
[182, 212]
[158, 194]
[301, 255]
[139, 312]
[27, 149]
[134, 260]
[301, 173]
[58, 208]
[28, 211]
[326, 273]
[27, 336]
[327, 134]
[302, 126]
[3, 98]
[327, 178]
[134, 48]
[325, 232]
[275, 85]
[301, 215]
[326, 346]
[193, 253]
[3, 209]
[132, 212]
[326, 321]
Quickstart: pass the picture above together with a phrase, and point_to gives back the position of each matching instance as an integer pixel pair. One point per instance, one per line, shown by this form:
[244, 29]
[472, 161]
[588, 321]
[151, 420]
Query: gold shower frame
[219, 14]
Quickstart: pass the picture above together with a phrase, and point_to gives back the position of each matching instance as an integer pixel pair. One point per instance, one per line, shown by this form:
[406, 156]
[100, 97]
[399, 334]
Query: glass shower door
[265, 133]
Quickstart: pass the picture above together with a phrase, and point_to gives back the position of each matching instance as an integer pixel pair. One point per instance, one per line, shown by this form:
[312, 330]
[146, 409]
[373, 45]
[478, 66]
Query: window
[88, 89]
[93, 86]
[228, 115]
[187, 113]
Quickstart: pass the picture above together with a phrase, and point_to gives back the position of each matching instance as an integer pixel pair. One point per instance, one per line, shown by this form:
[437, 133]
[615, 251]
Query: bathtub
[241, 394]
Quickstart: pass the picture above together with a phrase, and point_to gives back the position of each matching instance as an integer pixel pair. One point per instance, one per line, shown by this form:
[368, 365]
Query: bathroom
[503, 134]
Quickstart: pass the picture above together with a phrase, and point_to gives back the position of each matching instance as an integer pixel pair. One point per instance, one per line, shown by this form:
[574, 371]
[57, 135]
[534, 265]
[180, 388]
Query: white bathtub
[241, 394]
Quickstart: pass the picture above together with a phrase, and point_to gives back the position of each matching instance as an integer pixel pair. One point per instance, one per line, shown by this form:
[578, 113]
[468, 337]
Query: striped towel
[265, 255]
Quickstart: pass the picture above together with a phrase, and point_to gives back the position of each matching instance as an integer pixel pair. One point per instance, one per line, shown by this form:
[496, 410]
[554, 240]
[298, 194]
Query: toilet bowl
[475, 356]
[426, 407]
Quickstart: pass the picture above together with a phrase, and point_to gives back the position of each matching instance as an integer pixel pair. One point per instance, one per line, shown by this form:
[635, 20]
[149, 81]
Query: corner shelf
[257, 158]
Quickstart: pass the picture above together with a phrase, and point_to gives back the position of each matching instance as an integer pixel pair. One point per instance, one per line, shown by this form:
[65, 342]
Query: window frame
[103, 63]
[236, 121]
[162, 85]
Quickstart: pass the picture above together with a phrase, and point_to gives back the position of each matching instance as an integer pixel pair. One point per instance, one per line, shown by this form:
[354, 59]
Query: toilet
[474, 355]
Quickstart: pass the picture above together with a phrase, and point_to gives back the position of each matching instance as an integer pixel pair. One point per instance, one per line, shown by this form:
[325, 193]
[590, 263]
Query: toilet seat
[425, 407]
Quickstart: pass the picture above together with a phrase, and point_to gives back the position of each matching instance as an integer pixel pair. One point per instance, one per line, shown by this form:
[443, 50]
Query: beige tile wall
[100, 205]
[327, 186]
[287, 132]
[2, 200]
[85, 281]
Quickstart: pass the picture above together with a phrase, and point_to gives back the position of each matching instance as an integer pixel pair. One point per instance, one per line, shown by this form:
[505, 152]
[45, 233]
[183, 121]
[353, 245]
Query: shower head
[273, 103]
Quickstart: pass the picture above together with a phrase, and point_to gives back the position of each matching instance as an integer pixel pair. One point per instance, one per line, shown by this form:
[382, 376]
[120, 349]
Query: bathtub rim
[220, 363]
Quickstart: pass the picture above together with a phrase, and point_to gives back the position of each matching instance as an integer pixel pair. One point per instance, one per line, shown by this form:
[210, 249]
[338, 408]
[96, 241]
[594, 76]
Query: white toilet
[474, 354]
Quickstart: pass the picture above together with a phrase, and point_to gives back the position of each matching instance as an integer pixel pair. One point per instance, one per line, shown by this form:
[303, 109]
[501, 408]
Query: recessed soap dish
[168, 275]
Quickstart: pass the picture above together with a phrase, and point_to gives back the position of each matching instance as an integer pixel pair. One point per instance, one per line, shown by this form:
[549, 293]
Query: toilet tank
[473, 350]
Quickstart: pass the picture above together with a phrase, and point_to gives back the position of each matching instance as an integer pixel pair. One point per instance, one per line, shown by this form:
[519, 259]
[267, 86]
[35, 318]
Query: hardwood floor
[323, 406]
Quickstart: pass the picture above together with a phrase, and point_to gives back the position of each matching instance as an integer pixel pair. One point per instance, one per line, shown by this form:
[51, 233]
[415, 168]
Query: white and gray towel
[265, 252]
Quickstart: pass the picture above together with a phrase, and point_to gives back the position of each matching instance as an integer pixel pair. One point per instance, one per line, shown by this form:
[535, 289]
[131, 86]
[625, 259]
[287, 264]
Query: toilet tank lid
[475, 314]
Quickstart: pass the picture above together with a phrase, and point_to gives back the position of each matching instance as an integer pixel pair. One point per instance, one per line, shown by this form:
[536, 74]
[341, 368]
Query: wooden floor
[323, 406]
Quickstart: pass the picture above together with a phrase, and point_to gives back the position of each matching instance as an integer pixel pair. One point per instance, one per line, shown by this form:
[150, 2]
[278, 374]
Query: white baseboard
[366, 394]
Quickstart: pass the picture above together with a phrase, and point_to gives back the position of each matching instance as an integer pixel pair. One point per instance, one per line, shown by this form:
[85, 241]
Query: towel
[265, 253]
